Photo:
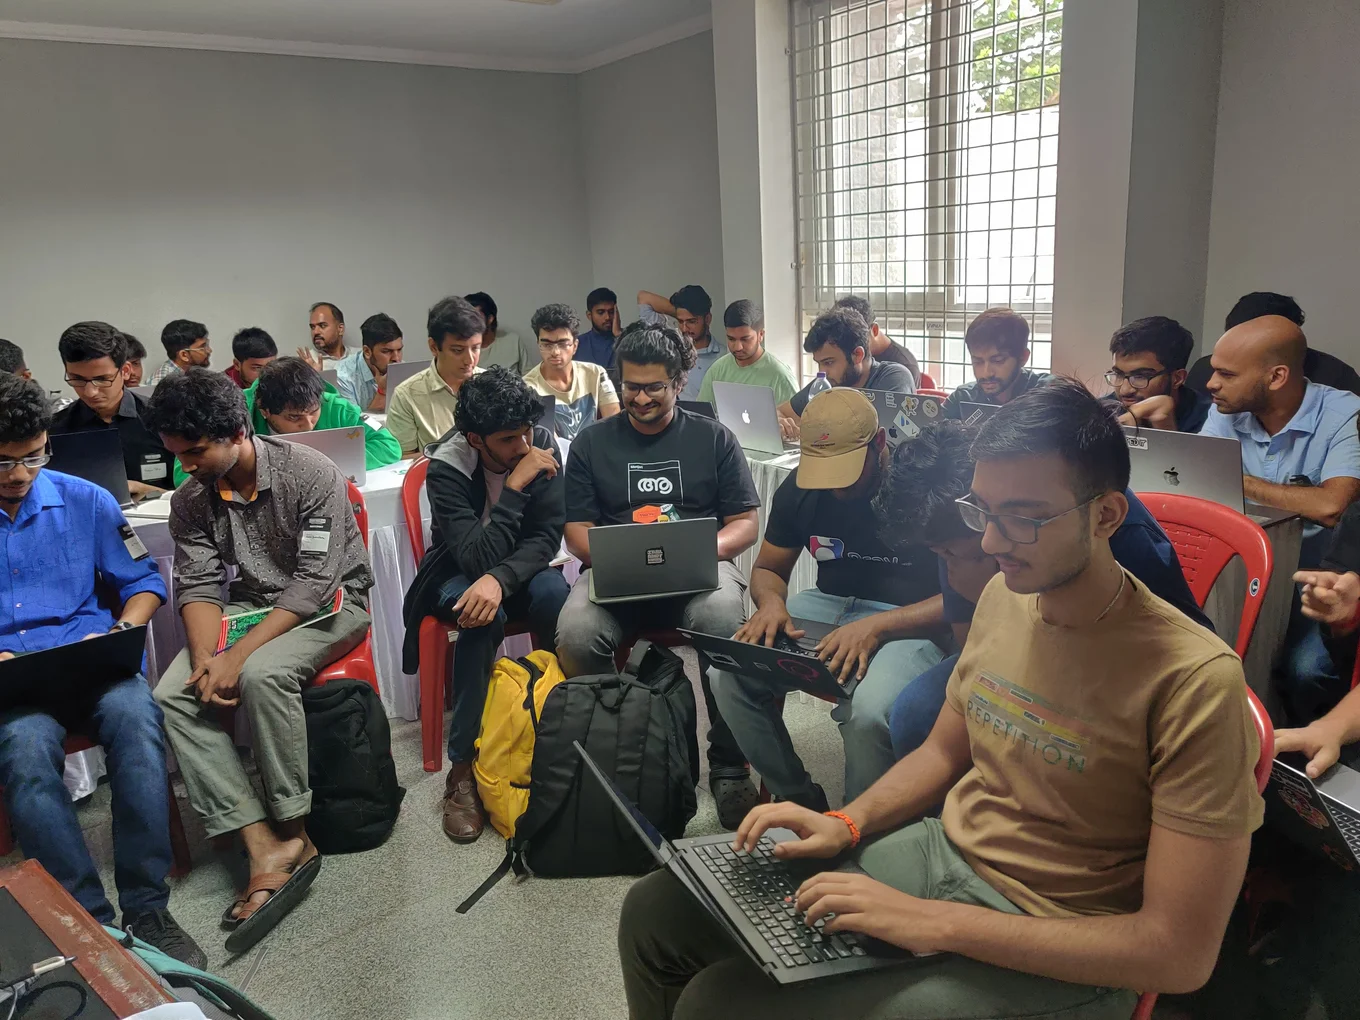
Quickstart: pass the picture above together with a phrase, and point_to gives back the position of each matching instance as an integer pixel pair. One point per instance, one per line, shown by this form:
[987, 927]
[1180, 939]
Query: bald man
[1300, 452]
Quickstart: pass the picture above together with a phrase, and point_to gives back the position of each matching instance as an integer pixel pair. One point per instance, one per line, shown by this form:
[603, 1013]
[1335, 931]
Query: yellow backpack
[505, 745]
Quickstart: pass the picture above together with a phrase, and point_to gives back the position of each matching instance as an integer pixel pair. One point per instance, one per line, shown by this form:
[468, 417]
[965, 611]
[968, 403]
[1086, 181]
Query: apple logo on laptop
[746, 417]
[1172, 476]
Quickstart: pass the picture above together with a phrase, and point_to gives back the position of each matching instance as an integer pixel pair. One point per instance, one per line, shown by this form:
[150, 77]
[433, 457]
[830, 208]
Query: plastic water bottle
[819, 385]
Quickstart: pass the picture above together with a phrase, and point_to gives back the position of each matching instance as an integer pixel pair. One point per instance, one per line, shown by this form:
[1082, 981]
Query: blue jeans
[538, 602]
[918, 706]
[1310, 684]
[126, 722]
[751, 704]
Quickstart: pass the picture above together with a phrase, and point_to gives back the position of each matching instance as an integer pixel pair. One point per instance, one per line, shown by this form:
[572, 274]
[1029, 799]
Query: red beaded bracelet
[854, 829]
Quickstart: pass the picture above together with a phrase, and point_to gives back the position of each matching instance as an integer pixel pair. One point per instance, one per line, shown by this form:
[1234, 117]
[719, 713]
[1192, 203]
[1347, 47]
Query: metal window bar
[927, 141]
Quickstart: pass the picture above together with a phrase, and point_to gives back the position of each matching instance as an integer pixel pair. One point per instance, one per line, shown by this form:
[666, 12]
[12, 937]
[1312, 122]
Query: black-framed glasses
[99, 382]
[1139, 380]
[32, 462]
[652, 389]
[1013, 527]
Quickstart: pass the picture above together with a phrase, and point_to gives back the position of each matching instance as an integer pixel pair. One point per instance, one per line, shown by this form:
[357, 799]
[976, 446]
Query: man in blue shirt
[916, 504]
[361, 377]
[1148, 375]
[689, 311]
[1300, 452]
[597, 343]
[62, 540]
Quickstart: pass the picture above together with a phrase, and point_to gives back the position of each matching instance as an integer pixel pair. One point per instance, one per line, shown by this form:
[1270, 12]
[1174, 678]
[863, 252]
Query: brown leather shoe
[464, 818]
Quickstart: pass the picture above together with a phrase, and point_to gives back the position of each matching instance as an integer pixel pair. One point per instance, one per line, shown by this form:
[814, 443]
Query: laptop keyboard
[1348, 822]
[759, 883]
[784, 643]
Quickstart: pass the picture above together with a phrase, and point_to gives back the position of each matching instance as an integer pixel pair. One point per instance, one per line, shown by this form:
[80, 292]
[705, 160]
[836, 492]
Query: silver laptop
[749, 412]
[345, 448]
[1186, 464]
[633, 562]
[403, 370]
[330, 375]
[903, 415]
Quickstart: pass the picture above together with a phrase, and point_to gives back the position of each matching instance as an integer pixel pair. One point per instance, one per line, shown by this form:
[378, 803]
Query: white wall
[1286, 202]
[140, 185]
[649, 125]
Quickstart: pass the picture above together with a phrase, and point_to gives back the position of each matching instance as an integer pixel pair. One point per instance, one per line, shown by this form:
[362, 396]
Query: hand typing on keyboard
[865, 906]
[848, 649]
[768, 623]
[821, 835]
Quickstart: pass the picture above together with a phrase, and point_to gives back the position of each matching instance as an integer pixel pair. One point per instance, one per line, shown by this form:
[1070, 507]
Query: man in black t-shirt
[95, 356]
[839, 342]
[998, 346]
[655, 463]
[885, 603]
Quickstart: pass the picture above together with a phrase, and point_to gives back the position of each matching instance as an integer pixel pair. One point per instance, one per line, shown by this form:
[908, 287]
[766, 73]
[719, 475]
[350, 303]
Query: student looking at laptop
[998, 346]
[654, 463]
[884, 603]
[420, 410]
[917, 503]
[361, 377]
[61, 539]
[881, 346]
[279, 513]
[747, 361]
[1100, 799]
[496, 506]
[839, 343]
[1148, 375]
[582, 391]
[95, 357]
[1300, 452]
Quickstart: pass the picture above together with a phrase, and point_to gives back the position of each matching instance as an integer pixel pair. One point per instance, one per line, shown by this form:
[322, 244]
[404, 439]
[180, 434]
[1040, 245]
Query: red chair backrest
[410, 505]
[356, 502]
[927, 382]
[1266, 732]
[930, 391]
[1206, 536]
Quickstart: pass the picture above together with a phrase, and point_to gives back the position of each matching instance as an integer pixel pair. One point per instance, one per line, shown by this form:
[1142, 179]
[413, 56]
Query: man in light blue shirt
[361, 377]
[1300, 449]
[690, 311]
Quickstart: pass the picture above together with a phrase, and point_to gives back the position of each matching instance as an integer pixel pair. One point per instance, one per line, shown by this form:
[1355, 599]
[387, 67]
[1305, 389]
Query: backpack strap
[513, 859]
[634, 664]
[535, 675]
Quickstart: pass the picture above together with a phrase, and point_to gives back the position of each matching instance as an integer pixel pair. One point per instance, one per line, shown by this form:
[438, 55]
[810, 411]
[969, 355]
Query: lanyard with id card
[154, 467]
[316, 536]
[132, 542]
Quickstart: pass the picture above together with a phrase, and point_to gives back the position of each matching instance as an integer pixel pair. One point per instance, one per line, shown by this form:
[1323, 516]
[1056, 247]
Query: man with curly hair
[496, 508]
[63, 541]
[583, 391]
[278, 512]
[659, 462]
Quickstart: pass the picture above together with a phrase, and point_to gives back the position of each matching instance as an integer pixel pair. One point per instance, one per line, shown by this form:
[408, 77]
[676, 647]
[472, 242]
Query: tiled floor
[378, 936]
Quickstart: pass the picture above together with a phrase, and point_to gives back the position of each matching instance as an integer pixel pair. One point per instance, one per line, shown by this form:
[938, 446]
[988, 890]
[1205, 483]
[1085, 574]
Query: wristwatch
[122, 625]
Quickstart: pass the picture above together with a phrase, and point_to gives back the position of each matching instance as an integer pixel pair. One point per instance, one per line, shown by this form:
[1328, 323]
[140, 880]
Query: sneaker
[735, 796]
[159, 929]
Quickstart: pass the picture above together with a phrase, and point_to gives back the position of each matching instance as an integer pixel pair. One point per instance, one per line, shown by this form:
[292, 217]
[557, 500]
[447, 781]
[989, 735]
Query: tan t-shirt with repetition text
[1083, 737]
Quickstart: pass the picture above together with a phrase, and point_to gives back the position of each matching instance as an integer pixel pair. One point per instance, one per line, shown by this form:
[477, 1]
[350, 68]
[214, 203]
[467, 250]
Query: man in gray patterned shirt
[280, 514]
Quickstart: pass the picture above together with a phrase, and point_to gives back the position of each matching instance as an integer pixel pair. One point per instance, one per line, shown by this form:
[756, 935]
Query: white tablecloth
[768, 473]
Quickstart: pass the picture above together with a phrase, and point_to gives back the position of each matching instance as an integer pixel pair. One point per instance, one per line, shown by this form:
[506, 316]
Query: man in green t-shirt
[289, 395]
[746, 360]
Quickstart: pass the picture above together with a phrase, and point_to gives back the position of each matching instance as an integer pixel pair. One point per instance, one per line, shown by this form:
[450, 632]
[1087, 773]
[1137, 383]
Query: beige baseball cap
[837, 428]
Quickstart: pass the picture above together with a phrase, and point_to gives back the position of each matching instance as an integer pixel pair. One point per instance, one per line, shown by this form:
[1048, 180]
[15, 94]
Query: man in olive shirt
[1097, 749]
[95, 356]
[280, 514]
[420, 410]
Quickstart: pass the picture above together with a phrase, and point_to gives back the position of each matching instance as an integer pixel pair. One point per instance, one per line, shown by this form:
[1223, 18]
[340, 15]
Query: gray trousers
[679, 962]
[271, 696]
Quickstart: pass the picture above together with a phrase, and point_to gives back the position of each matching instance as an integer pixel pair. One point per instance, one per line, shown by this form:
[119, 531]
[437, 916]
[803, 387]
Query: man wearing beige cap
[884, 603]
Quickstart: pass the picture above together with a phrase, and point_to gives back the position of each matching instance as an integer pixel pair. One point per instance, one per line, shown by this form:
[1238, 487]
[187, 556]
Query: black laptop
[903, 415]
[700, 407]
[71, 674]
[1321, 814]
[751, 896]
[975, 414]
[790, 661]
[96, 456]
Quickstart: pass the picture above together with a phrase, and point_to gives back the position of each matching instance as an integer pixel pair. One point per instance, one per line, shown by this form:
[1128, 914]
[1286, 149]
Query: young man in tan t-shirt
[1097, 748]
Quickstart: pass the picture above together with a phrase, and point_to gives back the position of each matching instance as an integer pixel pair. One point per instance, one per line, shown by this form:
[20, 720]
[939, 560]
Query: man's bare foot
[272, 852]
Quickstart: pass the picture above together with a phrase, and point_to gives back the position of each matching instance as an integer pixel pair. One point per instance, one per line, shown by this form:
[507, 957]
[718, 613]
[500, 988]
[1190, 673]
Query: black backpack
[355, 796]
[640, 726]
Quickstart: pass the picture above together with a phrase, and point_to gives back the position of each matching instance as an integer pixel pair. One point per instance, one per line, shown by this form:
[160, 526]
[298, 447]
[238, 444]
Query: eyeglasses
[32, 462]
[548, 346]
[1013, 528]
[1138, 380]
[99, 382]
[652, 389]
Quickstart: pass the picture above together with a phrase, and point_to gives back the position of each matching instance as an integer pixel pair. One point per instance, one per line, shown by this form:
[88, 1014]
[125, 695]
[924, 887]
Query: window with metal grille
[927, 151]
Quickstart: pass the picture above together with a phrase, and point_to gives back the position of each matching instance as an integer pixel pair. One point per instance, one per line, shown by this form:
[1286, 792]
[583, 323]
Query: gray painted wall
[650, 130]
[1286, 201]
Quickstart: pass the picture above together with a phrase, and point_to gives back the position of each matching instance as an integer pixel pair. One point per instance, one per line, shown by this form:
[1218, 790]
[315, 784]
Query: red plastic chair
[927, 381]
[1206, 536]
[436, 636]
[1266, 733]
[930, 391]
[357, 663]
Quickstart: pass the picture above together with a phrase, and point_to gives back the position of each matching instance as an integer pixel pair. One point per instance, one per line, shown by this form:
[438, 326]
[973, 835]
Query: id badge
[316, 536]
[132, 542]
[154, 468]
